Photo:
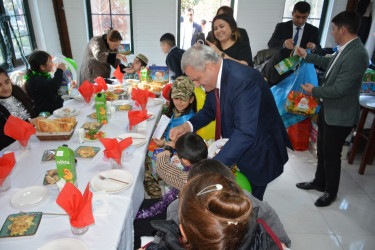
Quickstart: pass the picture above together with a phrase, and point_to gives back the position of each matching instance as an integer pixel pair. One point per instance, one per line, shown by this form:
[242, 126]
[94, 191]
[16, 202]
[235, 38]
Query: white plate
[29, 197]
[138, 139]
[153, 102]
[215, 147]
[66, 112]
[131, 81]
[111, 186]
[64, 244]
[120, 102]
[79, 98]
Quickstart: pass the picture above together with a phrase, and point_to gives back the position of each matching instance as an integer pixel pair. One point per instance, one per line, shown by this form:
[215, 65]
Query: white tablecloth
[112, 231]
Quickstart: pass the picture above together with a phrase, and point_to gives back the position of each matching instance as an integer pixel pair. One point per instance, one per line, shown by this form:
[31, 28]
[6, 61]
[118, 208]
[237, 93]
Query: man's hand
[122, 58]
[158, 142]
[176, 132]
[311, 46]
[301, 52]
[289, 44]
[129, 70]
[308, 87]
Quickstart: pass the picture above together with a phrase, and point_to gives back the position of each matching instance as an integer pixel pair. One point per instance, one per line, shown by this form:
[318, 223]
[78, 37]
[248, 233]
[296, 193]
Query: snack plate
[5, 232]
[131, 81]
[64, 243]
[215, 147]
[66, 112]
[125, 107]
[111, 186]
[51, 173]
[92, 116]
[103, 136]
[154, 102]
[99, 125]
[138, 139]
[96, 150]
[49, 155]
[29, 197]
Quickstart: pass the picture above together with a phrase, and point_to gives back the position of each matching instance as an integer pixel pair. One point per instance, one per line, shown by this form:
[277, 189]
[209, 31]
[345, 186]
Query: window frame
[90, 27]
[17, 62]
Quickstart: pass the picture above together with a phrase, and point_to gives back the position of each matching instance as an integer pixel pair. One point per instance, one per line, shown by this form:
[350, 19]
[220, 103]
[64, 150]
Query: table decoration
[86, 89]
[140, 96]
[19, 130]
[114, 148]
[136, 117]
[7, 162]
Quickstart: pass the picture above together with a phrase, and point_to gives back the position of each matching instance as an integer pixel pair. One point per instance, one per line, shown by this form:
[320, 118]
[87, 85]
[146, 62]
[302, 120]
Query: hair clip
[232, 222]
[210, 188]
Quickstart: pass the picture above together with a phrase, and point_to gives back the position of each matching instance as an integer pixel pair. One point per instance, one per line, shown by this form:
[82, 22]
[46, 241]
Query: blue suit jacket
[251, 121]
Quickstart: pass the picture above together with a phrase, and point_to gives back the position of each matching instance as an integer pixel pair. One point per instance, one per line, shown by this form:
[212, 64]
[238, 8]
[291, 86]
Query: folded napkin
[136, 117]
[101, 84]
[7, 162]
[86, 89]
[78, 207]
[118, 74]
[113, 148]
[140, 96]
[19, 129]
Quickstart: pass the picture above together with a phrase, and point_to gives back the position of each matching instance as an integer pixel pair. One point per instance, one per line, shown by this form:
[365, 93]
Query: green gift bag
[287, 64]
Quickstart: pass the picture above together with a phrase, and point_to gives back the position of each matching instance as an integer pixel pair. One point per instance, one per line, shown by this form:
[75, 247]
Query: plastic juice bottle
[101, 108]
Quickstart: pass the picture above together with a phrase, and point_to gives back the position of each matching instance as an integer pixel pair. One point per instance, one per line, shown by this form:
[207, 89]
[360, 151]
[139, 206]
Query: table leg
[367, 154]
[358, 135]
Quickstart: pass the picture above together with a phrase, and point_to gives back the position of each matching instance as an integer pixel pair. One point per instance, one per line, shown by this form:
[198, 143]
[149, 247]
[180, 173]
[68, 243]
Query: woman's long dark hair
[20, 95]
[232, 24]
[192, 106]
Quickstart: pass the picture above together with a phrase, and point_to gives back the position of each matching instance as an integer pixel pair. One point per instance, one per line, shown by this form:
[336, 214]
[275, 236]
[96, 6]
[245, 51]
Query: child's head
[182, 96]
[5, 84]
[167, 41]
[191, 149]
[210, 166]
[40, 61]
[139, 62]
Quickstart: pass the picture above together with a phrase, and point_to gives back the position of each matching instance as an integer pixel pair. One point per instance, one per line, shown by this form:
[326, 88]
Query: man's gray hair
[197, 57]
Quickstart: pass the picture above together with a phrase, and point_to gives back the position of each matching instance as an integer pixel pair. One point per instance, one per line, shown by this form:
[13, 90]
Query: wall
[151, 19]
[259, 18]
[336, 6]
[45, 27]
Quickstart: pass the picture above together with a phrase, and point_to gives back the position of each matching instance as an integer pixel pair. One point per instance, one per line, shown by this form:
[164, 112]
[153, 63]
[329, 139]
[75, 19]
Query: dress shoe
[325, 200]
[309, 185]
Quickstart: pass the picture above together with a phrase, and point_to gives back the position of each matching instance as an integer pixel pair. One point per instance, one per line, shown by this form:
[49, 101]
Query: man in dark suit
[289, 34]
[174, 55]
[189, 29]
[247, 115]
[339, 92]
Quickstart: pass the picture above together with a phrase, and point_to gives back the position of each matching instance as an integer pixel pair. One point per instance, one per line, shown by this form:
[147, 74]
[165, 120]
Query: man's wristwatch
[170, 149]
[222, 55]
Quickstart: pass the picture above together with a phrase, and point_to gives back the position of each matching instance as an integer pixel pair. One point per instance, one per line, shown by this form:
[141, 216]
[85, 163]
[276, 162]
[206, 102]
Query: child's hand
[73, 84]
[61, 66]
[158, 142]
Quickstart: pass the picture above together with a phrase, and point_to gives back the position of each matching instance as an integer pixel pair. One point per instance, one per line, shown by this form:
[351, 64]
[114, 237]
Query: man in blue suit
[247, 113]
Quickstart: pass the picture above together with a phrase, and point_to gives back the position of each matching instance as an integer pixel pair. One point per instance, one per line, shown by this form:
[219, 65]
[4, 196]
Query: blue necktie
[296, 36]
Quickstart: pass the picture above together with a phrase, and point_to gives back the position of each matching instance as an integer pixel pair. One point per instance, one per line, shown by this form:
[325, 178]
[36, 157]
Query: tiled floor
[349, 223]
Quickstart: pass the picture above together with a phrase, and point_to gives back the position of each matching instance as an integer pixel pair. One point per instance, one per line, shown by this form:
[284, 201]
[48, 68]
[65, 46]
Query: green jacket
[340, 89]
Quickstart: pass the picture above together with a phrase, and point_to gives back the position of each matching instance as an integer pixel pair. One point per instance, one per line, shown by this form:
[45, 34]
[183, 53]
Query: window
[104, 14]
[315, 12]
[15, 14]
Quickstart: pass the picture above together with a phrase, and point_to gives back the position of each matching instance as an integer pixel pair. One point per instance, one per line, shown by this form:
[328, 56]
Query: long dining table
[113, 230]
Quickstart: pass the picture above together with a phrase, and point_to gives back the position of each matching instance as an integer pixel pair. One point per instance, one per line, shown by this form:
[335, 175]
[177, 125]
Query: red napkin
[101, 83]
[86, 89]
[78, 207]
[113, 148]
[118, 74]
[136, 117]
[166, 90]
[140, 96]
[7, 162]
[19, 129]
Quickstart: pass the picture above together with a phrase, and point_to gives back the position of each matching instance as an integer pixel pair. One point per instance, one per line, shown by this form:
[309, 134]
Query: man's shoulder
[311, 27]
[284, 24]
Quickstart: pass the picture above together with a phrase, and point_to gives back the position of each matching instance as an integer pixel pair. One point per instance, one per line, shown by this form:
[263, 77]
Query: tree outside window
[15, 14]
[104, 14]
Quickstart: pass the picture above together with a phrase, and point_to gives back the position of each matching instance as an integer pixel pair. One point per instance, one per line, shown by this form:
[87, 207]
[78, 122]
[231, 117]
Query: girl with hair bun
[214, 213]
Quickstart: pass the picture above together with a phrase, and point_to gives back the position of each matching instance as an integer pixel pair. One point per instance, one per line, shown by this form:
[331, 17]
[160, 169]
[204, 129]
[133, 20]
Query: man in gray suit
[339, 93]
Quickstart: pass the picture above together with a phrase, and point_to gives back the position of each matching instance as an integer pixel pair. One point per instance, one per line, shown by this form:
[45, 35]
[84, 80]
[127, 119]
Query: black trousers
[330, 142]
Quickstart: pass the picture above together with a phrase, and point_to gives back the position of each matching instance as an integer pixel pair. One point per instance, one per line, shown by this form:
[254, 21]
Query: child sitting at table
[183, 105]
[40, 86]
[140, 61]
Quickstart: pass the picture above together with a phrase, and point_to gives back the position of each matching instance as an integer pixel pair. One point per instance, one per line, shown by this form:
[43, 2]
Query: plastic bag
[304, 73]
